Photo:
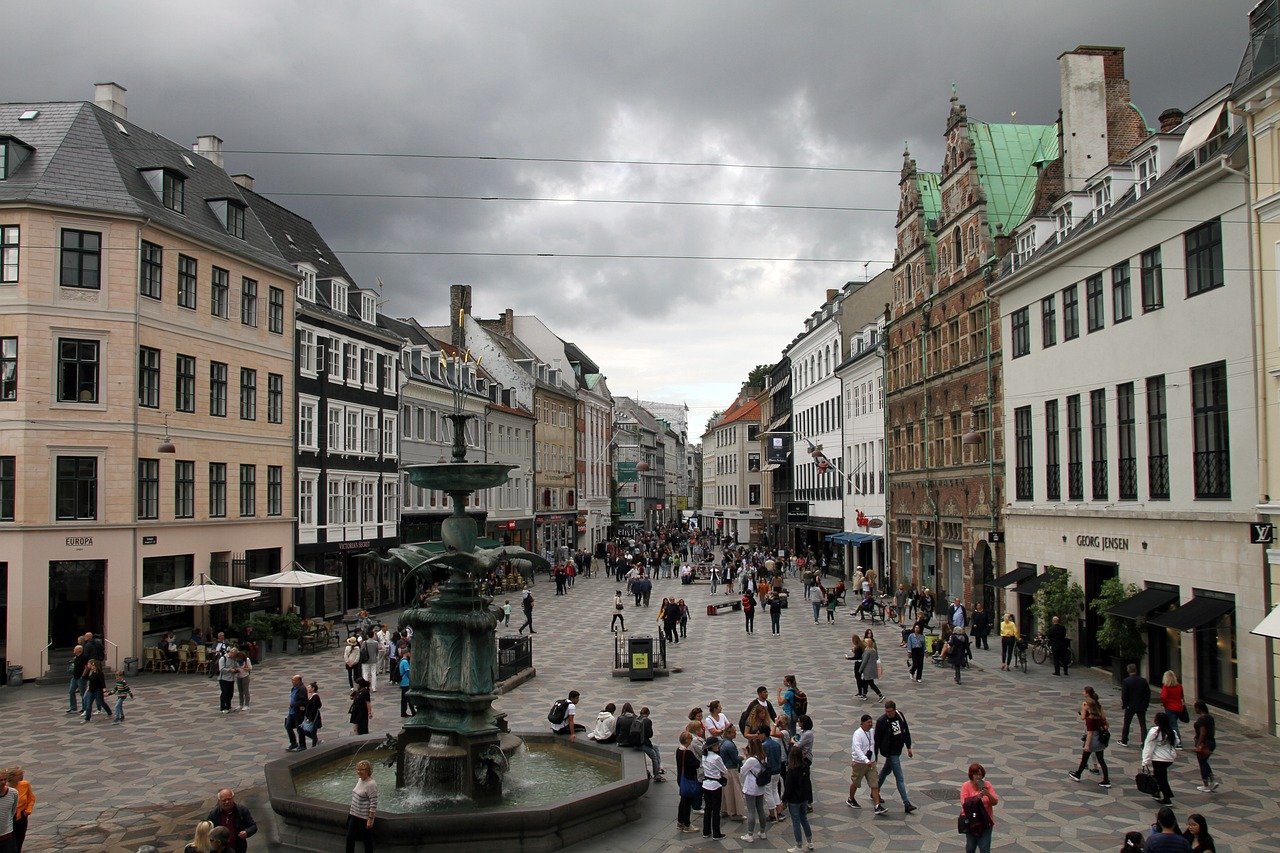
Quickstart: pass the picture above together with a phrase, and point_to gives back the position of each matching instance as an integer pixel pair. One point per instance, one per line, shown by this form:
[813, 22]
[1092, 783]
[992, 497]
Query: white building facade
[861, 378]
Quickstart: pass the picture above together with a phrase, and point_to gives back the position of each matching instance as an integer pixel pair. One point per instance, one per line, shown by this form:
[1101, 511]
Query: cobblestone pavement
[111, 788]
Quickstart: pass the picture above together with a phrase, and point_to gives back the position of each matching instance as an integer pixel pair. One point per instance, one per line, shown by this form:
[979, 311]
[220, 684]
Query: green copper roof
[592, 380]
[930, 194]
[1006, 156]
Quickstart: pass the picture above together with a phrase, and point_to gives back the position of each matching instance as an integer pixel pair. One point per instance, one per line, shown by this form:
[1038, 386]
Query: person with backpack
[749, 611]
[642, 737]
[977, 803]
[561, 717]
[622, 728]
[369, 661]
[793, 701]
[958, 650]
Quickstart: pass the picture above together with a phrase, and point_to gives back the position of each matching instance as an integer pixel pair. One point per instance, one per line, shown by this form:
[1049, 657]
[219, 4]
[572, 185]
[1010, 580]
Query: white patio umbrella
[297, 578]
[199, 593]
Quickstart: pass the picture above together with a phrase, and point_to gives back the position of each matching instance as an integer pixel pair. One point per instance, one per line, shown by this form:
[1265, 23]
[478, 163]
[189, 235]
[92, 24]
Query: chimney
[1171, 118]
[245, 181]
[1083, 83]
[459, 304]
[110, 96]
[210, 148]
[832, 293]
[509, 324]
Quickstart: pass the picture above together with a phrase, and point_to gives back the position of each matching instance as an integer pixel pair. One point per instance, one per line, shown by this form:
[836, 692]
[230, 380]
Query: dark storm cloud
[827, 83]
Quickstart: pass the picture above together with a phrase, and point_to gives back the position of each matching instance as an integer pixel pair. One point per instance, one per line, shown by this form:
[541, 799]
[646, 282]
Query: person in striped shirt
[364, 808]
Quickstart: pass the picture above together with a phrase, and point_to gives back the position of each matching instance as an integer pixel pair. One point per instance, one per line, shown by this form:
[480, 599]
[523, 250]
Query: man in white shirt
[959, 618]
[567, 726]
[863, 754]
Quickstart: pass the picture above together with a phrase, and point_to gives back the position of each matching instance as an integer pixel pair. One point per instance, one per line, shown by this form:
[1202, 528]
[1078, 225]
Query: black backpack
[364, 653]
[558, 712]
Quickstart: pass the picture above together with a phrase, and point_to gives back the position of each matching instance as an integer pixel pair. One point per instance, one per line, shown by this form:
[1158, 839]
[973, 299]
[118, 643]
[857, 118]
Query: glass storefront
[906, 570]
[1216, 663]
[955, 573]
[929, 567]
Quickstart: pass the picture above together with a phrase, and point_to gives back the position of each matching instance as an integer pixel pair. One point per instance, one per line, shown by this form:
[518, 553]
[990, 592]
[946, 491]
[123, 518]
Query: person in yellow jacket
[1008, 636]
[25, 806]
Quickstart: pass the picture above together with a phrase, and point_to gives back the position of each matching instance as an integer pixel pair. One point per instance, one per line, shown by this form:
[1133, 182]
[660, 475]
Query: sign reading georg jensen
[1106, 543]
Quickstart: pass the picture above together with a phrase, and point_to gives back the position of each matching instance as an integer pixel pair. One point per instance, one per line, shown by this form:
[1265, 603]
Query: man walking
[293, 717]
[1135, 696]
[959, 616]
[76, 689]
[891, 735]
[369, 648]
[864, 765]
[814, 594]
[1057, 637]
[981, 627]
[527, 604]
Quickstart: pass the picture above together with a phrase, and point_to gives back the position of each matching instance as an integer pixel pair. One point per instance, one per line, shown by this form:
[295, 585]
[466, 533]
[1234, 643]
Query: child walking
[506, 614]
[121, 691]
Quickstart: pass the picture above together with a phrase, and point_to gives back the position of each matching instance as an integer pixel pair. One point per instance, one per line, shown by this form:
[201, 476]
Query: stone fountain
[455, 745]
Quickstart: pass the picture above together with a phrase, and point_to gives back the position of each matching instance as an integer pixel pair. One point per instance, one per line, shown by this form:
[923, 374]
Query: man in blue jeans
[891, 735]
[76, 689]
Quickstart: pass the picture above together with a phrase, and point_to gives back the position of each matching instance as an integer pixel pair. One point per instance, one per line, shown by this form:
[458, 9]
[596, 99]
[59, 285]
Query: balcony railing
[1053, 482]
[1158, 477]
[1129, 479]
[1075, 481]
[1212, 474]
[1023, 481]
[1099, 477]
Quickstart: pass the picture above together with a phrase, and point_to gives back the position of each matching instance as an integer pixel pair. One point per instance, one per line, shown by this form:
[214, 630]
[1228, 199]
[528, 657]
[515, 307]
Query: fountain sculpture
[454, 743]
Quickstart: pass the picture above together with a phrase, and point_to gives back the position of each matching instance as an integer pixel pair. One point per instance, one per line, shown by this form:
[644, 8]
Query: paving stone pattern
[112, 788]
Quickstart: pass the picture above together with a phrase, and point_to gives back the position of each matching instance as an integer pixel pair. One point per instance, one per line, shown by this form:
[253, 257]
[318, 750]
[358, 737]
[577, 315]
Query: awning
[1198, 133]
[1196, 613]
[1018, 575]
[1140, 606]
[842, 538]
[1029, 587]
[1270, 626]
[848, 538]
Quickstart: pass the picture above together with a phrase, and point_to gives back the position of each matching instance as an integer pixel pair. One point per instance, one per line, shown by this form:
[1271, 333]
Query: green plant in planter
[263, 625]
[289, 625]
[1057, 596]
[1117, 635]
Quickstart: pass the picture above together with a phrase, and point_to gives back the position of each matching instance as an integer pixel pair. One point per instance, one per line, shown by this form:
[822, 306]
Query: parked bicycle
[1020, 654]
[1040, 651]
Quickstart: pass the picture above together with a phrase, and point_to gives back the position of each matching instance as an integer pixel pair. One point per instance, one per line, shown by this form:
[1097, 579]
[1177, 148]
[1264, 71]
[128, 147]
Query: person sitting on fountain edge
[566, 724]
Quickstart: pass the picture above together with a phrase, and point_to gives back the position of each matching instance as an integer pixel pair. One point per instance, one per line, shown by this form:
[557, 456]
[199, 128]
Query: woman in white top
[1159, 752]
[715, 722]
[606, 725]
[714, 775]
[753, 791]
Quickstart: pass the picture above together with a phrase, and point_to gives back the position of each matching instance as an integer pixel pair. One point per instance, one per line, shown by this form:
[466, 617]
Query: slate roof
[295, 238]
[84, 161]
[1006, 156]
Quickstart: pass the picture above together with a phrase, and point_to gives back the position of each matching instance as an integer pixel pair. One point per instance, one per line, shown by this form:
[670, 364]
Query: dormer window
[13, 153]
[1101, 195]
[338, 295]
[307, 284]
[230, 213]
[1062, 220]
[169, 185]
[1026, 242]
[1146, 172]
[368, 307]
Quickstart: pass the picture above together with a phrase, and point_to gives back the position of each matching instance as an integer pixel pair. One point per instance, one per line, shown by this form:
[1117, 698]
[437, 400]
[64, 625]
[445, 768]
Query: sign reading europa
[1106, 543]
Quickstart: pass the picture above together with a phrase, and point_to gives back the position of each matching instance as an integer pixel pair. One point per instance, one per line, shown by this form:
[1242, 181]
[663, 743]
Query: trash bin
[130, 667]
[15, 676]
[640, 658]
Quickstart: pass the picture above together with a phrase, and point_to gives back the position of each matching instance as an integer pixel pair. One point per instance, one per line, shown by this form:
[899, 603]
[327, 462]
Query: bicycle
[1020, 654]
[1040, 651]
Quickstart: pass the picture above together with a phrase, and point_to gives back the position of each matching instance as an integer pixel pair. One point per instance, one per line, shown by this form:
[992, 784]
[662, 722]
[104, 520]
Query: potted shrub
[1062, 597]
[264, 629]
[1121, 637]
[289, 627]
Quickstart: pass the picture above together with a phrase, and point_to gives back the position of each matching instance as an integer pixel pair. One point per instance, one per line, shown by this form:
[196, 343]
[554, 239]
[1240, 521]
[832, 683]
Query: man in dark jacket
[981, 626]
[1135, 696]
[644, 742]
[762, 698]
[235, 818]
[892, 736]
[1057, 637]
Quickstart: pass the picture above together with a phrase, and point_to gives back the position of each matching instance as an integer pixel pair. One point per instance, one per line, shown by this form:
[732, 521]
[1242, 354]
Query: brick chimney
[459, 304]
[832, 293]
[210, 148]
[1171, 118]
[110, 96]
[509, 324]
[243, 180]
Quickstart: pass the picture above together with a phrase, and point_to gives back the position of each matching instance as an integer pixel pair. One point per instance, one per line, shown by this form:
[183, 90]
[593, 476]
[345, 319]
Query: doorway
[984, 578]
[77, 593]
[1096, 573]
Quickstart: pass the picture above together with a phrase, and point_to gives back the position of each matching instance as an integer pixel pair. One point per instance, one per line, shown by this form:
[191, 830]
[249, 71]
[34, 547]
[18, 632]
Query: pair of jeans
[119, 715]
[917, 663]
[893, 764]
[75, 690]
[242, 692]
[406, 707]
[750, 616]
[1206, 772]
[618, 618]
[980, 844]
[711, 811]
[755, 812]
[652, 751]
[292, 723]
[775, 622]
[817, 610]
[358, 827]
[1173, 724]
[800, 822]
[93, 697]
[1006, 650]
[684, 812]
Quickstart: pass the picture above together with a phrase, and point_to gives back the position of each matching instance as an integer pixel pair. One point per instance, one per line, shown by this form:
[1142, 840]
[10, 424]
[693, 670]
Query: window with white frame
[1101, 198]
[1062, 220]
[368, 492]
[390, 501]
[353, 502]
[370, 446]
[1146, 172]
[335, 359]
[307, 351]
[338, 294]
[307, 501]
[352, 444]
[307, 284]
[336, 518]
[307, 424]
[388, 373]
[335, 429]
[406, 420]
[368, 367]
[352, 361]
[368, 307]
[389, 436]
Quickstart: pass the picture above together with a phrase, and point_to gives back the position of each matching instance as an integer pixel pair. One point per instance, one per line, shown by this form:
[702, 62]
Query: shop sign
[148, 540]
[1262, 534]
[797, 511]
[79, 541]
[1106, 543]
[354, 546]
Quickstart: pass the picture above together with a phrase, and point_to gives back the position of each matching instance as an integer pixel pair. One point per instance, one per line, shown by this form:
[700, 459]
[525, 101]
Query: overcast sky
[819, 83]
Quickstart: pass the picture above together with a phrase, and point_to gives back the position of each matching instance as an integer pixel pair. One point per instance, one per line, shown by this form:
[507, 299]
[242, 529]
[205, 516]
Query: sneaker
[760, 835]
[1074, 775]
[748, 837]
[1213, 786]
[853, 804]
[721, 835]
[908, 808]
[880, 809]
[291, 749]
[1104, 784]
[1124, 743]
[796, 849]
[810, 845]
[1204, 789]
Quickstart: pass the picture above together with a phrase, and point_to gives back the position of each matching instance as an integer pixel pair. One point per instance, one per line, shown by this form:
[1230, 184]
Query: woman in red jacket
[1174, 705]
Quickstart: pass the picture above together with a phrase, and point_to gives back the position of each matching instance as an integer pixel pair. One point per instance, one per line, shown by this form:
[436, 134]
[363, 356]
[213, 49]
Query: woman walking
[714, 774]
[1206, 742]
[870, 668]
[95, 690]
[1159, 750]
[749, 611]
[753, 791]
[915, 646]
[311, 721]
[797, 794]
[1095, 742]
[687, 776]
[978, 786]
[351, 660]
[26, 804]
[684, 618]
[1174, 705]
[618, 618]
[1008, 637]
[856, 654]
[361, 707]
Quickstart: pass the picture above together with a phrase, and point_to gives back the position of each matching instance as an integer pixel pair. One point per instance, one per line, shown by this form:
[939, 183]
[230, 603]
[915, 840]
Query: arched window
[957, 246]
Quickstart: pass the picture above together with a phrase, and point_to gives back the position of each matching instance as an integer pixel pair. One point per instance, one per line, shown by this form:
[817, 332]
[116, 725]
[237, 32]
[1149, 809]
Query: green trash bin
[640, 658]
